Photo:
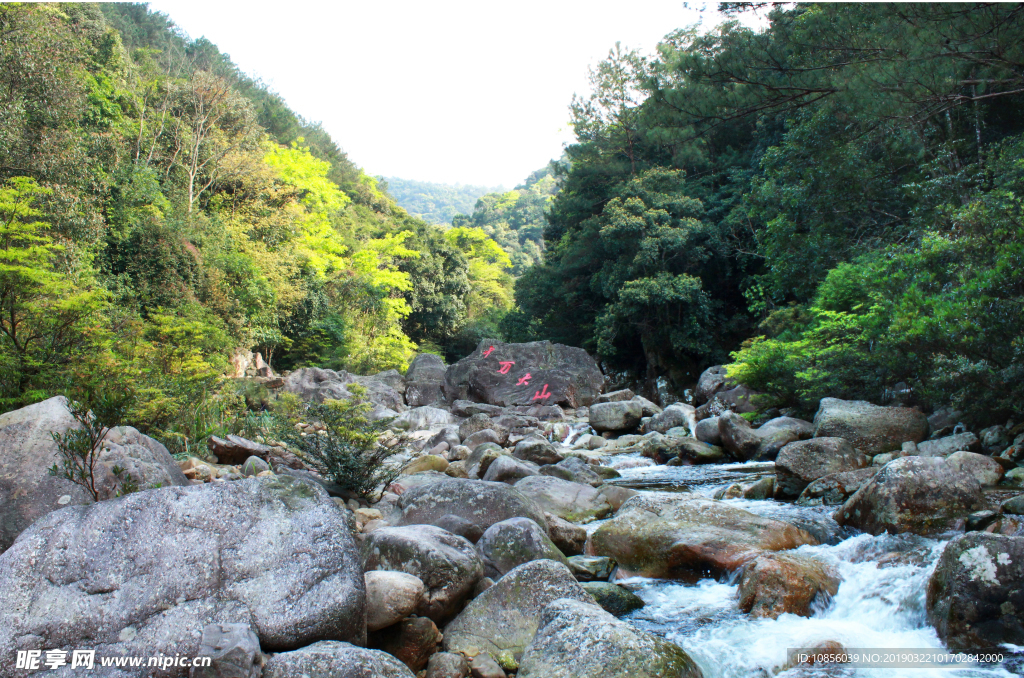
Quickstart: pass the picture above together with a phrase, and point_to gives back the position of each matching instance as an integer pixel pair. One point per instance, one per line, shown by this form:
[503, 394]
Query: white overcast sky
[446, 91]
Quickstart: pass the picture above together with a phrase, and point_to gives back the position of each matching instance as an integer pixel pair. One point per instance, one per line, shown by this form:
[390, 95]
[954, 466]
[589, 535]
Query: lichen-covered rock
[447, 665]
[943, 447]
[923, 495]
[510, 543]
[577, 640]
[570, 538]
[986, 470]
[328, 659]
[559, 375]
[144, 574]
[872, 429]
[975, 599]
[390, 597]
[479, 502]
[802, 462]
[447, 564]
[617, 416]
[672, 536]
[615, 599]
[591, 568]
[504, 618]
[27, 451]
[664, 448]
[537, 450]
[234, 652]
[778, 583]
[836, 488]
[575, 502]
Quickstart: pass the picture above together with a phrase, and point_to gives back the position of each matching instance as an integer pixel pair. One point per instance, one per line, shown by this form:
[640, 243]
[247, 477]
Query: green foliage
[78, 449]
[434, 203]
[347, 451]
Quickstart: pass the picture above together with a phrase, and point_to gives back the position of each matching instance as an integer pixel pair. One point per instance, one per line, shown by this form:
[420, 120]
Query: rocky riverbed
[541, 526]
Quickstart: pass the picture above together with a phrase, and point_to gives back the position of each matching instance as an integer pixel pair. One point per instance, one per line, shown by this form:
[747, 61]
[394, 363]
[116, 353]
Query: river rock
[390, 597]
[803, 430]
[943, 447]
[570, 538]
[329, 659]
[578, 471]
[836, 488]
[674, 416]
[664, 537]
[447, 564]
[411, 640]
[707, 431]
[144, 574]
[615, 396]
[27, 451]
[801, 463]
[234, 651]
[738, 399]
[480, 459]
[506, 469]
[923, 495]
[537, 450]
[614, 599]
[975, 599]
[424, 380]
[234, 450]
[869, 428]
[778, 583]
[574, 502]
[577, 639]
[510, 543]
[591, 568]
[461, 527]
[318, 384]
[485, 436]
[428, 462]
[738, 437]
[711, 381]
[476, 501]
[423, 418]
[618, 416]
[503, 619]
[559, 375]
[447, 665]
[986, 470]
[449, 434]
[484, 666]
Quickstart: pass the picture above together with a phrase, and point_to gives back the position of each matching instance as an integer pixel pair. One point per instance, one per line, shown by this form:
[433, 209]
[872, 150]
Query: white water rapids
[880, 603]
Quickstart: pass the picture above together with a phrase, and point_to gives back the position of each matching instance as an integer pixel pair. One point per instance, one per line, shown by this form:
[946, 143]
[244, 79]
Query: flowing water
[880, 602]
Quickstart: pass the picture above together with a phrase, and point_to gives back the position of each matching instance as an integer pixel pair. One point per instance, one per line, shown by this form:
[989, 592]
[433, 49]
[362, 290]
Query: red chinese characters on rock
[506, 365]
[542, 394]
[488, 351]
[523, 381]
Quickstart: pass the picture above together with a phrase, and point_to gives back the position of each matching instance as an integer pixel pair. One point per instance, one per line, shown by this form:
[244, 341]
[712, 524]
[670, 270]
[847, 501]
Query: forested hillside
[160, 210]
[840, 193]
[434, 203]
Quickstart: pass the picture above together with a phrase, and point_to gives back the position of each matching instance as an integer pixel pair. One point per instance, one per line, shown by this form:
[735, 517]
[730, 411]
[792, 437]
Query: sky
[445, 91]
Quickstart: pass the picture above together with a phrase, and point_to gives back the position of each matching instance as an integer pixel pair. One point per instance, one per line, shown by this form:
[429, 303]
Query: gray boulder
[923, 495]
[869, 428]
[802, 429]
[390, 597]
[447, 564]
[675, 415]
[447, 665]
[801, 463]
[481, 422]
[739, 399]
[579, 471]
[617, 416]
[738, 437]
[975, 598]
[712, 381]
[558, 375]
[234, 652]
[537, 450]
[577, 639]
[423, 418]
[615, 396]
[571, 501]
[144, 574]
[424, 379]
[480, 459]
[329, 659]
[467, 408]
[27, 451]
[591, 568]
[510, 543]
[476, 501]
[616, 600]
[503, 619]
[448, 434]
[707, 431]
[836, 488]
[986, 470]
[506, 469]
[570, 538]
[485, 436]
[943, 447]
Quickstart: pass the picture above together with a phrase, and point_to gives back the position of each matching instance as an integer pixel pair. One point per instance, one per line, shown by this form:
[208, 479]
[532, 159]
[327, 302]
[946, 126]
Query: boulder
[802, 429]
[447, 665]
[711, 381]
[484, 666]
[581, 471]
[329, 659]
[428, 462]
[506, 469]
[577, 639]
[665, 537]
[485, 436]
[869, 428]
[234, 652]
[836, 488]
[923, 495]
[447, 564]
[591, 568]
[975, 599]
[411, 640]
[467, 408]
[570, 538]
[943, 447]
[663, 449]
[27, 451]
[496, 373]
[476, 501]
[618, 416]
[254, 466]
[616, 600]
[480, 422]
[785, 583]
[480, 459]
[390, 597]
[423, 418]
[461, 527]
[424, 380]
[674, 416]
[317, 384]
[986, 470]
[707, 431]
[801, 463]
[234, 450]
[144, 574]
[538, 450]
[738, 437]
[615, 396]
[738, 399]
[449, 434]
[503, 619]
[574, 502]
[510, 543]
[647, 408]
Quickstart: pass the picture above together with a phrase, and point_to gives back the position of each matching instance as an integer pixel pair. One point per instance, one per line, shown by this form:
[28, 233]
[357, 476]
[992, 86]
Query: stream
[880, 602]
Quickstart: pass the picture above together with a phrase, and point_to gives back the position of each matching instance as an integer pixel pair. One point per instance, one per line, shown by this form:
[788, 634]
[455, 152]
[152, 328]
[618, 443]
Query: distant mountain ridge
[433, 202]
